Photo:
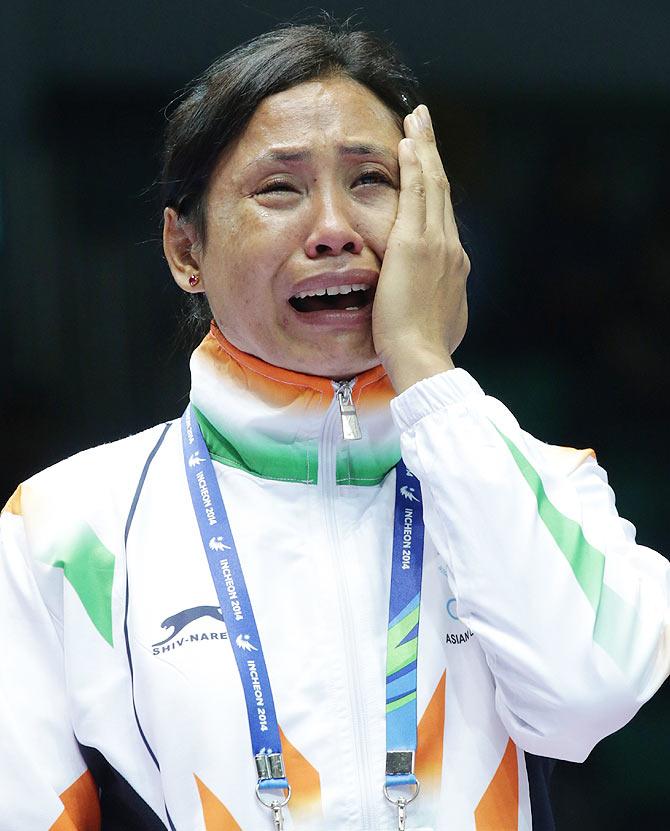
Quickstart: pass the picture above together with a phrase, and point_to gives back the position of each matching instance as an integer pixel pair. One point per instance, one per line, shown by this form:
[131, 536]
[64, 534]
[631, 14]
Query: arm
[44, 783]
[571, 614]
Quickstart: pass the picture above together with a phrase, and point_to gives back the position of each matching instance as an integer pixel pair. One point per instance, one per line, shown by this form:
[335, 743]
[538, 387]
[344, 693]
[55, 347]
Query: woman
[246, 598]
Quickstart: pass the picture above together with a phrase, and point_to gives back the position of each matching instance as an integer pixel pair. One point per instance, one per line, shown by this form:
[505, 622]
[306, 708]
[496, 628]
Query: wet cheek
[379, 219]
[386, 232]
[271, 235]
[377, 236]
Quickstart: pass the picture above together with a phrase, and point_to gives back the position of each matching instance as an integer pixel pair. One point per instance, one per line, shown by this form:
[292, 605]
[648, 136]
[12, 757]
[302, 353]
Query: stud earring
[193, 280]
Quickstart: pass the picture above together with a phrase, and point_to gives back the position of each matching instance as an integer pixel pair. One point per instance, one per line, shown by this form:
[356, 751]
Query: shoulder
[99, 479]
[67, 523]
[567, 459]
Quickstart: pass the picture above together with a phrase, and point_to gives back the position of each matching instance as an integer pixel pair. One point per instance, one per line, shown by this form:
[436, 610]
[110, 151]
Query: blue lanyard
[403, 630]
[238, 616]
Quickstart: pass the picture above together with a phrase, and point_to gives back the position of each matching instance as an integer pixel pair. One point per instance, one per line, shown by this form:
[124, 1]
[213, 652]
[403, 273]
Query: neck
[281, 372]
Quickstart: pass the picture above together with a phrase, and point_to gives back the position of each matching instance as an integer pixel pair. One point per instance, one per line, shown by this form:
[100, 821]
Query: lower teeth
[351, 309]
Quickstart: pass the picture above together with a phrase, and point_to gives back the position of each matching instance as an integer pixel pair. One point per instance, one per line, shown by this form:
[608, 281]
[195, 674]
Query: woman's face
[301, 206]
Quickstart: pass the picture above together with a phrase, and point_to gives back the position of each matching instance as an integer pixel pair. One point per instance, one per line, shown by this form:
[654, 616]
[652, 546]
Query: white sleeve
[44, 782]
[572, 615]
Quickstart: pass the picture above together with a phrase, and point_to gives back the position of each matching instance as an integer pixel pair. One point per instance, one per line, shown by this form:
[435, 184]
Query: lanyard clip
[275, 805]
[401, 802]
[399, 762]
[270, 766]
[278, 817]
[401, 815]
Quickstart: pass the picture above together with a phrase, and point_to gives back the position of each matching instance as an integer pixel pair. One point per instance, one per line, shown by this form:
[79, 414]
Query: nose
[332, 231]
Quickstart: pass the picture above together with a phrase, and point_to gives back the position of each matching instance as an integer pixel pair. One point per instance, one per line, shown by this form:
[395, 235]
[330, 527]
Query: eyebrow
[343, 149]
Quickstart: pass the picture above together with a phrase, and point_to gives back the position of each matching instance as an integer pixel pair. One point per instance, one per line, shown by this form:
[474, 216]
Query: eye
[375, 177]
[277, 186]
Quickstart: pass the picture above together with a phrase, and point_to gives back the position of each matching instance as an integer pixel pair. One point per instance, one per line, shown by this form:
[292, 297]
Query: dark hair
[216, 107]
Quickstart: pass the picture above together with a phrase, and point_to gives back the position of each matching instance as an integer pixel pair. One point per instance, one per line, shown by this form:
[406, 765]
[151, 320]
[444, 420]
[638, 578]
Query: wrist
[415, 363]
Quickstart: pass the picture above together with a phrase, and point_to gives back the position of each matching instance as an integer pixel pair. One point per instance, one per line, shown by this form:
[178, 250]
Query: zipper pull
[351, 429]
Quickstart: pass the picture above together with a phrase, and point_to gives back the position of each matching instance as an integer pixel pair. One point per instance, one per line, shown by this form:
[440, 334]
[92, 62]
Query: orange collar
[288, 376]
[270, 421]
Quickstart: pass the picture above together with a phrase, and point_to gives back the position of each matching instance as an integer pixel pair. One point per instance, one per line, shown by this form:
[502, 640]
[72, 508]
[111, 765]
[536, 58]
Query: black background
[553, 120]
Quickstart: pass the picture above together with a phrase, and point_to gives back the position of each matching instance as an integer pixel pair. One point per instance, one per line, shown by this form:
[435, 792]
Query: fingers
[411, 216]
[439, 209]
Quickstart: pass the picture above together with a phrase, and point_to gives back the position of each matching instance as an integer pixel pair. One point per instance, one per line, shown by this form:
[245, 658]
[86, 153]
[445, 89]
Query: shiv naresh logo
[181, 620]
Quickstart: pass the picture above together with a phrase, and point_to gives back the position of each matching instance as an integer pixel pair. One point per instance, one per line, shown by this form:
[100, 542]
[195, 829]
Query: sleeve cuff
[433, 394]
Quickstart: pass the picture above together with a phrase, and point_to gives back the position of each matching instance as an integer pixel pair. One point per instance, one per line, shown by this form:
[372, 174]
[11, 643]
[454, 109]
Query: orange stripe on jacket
[304, 778]
[13, 506]
[272, 384]
[577, 456]
[498, 809]
[82, 806]
[217, 817]
[430, 741]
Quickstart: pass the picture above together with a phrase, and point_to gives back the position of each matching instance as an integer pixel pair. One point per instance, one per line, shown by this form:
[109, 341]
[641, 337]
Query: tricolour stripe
[305, 804]
[430, 743]
[214, 813]
[81, 811]
[291, 460]
[498, 809]
[13, 505]
[616, 620]
[89, 568]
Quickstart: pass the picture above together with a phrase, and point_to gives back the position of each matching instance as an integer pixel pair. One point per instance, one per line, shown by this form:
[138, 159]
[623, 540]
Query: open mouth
[349, 298]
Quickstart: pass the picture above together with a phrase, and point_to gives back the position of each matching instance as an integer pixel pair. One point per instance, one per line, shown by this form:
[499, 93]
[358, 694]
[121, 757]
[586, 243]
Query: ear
[182, 251]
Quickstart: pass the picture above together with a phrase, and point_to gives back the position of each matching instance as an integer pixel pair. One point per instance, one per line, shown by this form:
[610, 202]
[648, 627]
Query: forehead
[318, 114]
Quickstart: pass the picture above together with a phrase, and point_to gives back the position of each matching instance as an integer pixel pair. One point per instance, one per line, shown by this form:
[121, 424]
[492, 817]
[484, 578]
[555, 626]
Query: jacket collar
[269, 421]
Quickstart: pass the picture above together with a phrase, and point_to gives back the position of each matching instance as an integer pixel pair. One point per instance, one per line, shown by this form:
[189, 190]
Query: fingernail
[424, 116]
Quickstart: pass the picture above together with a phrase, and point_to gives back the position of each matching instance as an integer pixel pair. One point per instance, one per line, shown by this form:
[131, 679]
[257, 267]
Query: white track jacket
[543, 628]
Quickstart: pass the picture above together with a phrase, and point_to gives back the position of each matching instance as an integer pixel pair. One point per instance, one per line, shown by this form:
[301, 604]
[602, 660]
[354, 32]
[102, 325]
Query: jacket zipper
[351, 429]
[342, 410]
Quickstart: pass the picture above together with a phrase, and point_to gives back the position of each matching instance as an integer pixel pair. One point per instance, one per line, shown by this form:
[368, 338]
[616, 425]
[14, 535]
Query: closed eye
[370, 177]
[377, 177]
[277, 185]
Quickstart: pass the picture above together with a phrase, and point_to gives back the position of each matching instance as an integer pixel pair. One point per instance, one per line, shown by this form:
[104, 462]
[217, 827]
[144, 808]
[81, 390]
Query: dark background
[554, 124]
